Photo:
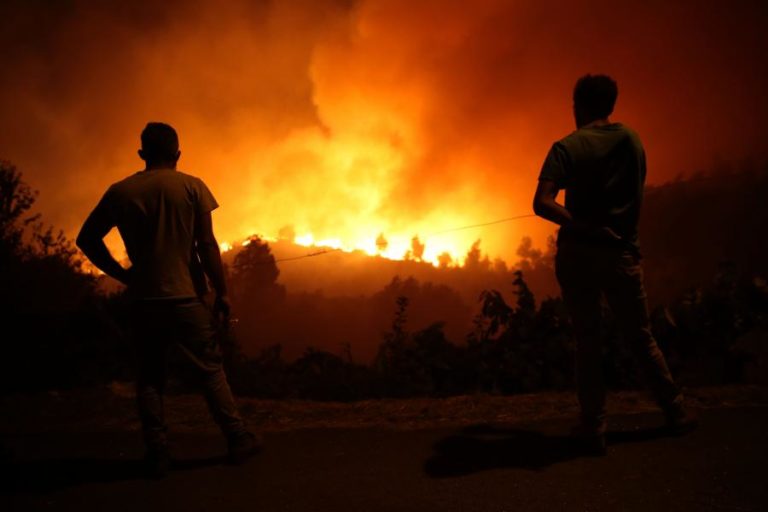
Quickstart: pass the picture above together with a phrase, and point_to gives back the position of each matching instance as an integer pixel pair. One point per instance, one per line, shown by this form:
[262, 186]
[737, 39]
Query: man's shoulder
[186, 176]
[199, 190]
[631, 133]
[189, 179]
[141, 177]
[124, 184]
[588, 137]
[568, 138]
[587, 132]
[574, 140]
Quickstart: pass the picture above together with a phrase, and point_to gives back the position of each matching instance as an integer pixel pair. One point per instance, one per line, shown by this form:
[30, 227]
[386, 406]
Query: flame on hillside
[397, 248]
[344, 189]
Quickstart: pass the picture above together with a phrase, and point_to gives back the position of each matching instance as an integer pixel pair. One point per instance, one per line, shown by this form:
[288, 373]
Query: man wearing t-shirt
[601, 167]
[164, 219]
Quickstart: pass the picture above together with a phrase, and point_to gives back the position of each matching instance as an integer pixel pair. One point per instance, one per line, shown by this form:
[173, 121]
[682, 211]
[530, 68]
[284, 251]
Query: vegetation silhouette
[57, 329]
[61, 331]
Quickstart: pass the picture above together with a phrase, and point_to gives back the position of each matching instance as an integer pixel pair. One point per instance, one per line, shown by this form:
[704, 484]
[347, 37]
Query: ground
[80, 450]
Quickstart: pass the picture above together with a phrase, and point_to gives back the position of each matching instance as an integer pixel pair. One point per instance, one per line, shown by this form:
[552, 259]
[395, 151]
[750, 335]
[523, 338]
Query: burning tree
[254, 275]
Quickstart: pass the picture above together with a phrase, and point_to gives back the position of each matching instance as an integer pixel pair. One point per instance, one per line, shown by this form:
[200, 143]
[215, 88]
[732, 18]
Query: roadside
[111, 408]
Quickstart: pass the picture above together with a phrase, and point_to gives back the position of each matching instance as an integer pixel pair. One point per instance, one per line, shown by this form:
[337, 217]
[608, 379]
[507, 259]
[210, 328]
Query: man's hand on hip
[222, 307]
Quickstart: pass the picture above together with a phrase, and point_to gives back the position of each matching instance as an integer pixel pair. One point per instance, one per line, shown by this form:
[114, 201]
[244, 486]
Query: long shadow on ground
[483, 447]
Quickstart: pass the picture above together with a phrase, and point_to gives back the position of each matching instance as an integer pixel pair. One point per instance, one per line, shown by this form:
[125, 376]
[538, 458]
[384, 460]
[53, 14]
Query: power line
[309, 255]
[491, 223]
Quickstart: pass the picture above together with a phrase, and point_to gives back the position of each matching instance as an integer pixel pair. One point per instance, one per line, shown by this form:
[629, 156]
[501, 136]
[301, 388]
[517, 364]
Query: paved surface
[721, 467]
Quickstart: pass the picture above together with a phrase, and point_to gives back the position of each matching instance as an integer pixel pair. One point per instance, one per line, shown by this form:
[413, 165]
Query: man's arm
[91, 242]
[210, 257]
[545, 204]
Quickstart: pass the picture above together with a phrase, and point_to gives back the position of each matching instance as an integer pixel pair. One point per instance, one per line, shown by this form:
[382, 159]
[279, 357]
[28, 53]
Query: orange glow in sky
[335, 123]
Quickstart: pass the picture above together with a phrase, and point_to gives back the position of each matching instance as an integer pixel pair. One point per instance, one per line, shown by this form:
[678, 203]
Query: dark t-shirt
[155, 213]
[602, 170]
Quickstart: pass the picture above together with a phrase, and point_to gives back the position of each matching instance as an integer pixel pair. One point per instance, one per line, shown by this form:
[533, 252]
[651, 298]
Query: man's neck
[159, 165]
[604, 121]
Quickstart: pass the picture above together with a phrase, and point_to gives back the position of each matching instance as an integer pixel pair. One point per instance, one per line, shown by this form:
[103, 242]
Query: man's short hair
[159, 142]
[595, 95]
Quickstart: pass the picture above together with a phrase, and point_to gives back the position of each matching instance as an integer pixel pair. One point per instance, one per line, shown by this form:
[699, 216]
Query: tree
[396, 337]
[496, 313]
[475, 258]
[254, 276]
[255, 264]
[526, 302]
[256, 295]
[381, 243]
[34, 257]
[55, 327]
[16, 199]
[43, 242]
[417, 249]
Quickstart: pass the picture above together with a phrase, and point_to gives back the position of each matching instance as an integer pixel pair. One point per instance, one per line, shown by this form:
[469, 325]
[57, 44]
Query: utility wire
[461, 228]
[309, 255]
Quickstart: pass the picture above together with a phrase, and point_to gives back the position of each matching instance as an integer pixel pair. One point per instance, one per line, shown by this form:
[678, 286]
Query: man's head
[159, 145]
[593, 98]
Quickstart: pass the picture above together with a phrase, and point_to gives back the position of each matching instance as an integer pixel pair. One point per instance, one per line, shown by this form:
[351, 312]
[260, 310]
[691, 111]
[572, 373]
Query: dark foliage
[521, 348]
[60, 331]
[689, 228]
[57, 330]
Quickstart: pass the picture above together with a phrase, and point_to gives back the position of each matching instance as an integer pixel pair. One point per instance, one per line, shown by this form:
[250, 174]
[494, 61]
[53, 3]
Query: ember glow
[360, 125]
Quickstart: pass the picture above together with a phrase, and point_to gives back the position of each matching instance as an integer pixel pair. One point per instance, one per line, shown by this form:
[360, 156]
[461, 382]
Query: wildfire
[442, 253]
[335, 193]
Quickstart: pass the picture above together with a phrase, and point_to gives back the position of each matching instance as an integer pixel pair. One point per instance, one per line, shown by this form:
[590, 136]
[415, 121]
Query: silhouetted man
[601, 166]
[164, 219]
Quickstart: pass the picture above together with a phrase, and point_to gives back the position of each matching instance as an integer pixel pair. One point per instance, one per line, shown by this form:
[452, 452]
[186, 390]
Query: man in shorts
[164, 219]
[601, 167]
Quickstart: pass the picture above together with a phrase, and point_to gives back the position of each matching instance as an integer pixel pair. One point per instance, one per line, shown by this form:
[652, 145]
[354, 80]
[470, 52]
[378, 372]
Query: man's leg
[151, 344]
[625, 294]
[151, 339]
[198, 343]
[582, 298]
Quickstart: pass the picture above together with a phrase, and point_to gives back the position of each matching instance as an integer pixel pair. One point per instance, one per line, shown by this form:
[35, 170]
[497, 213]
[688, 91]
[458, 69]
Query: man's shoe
[589, 442]
[243, 446]
[157, 462]
[681, 421]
